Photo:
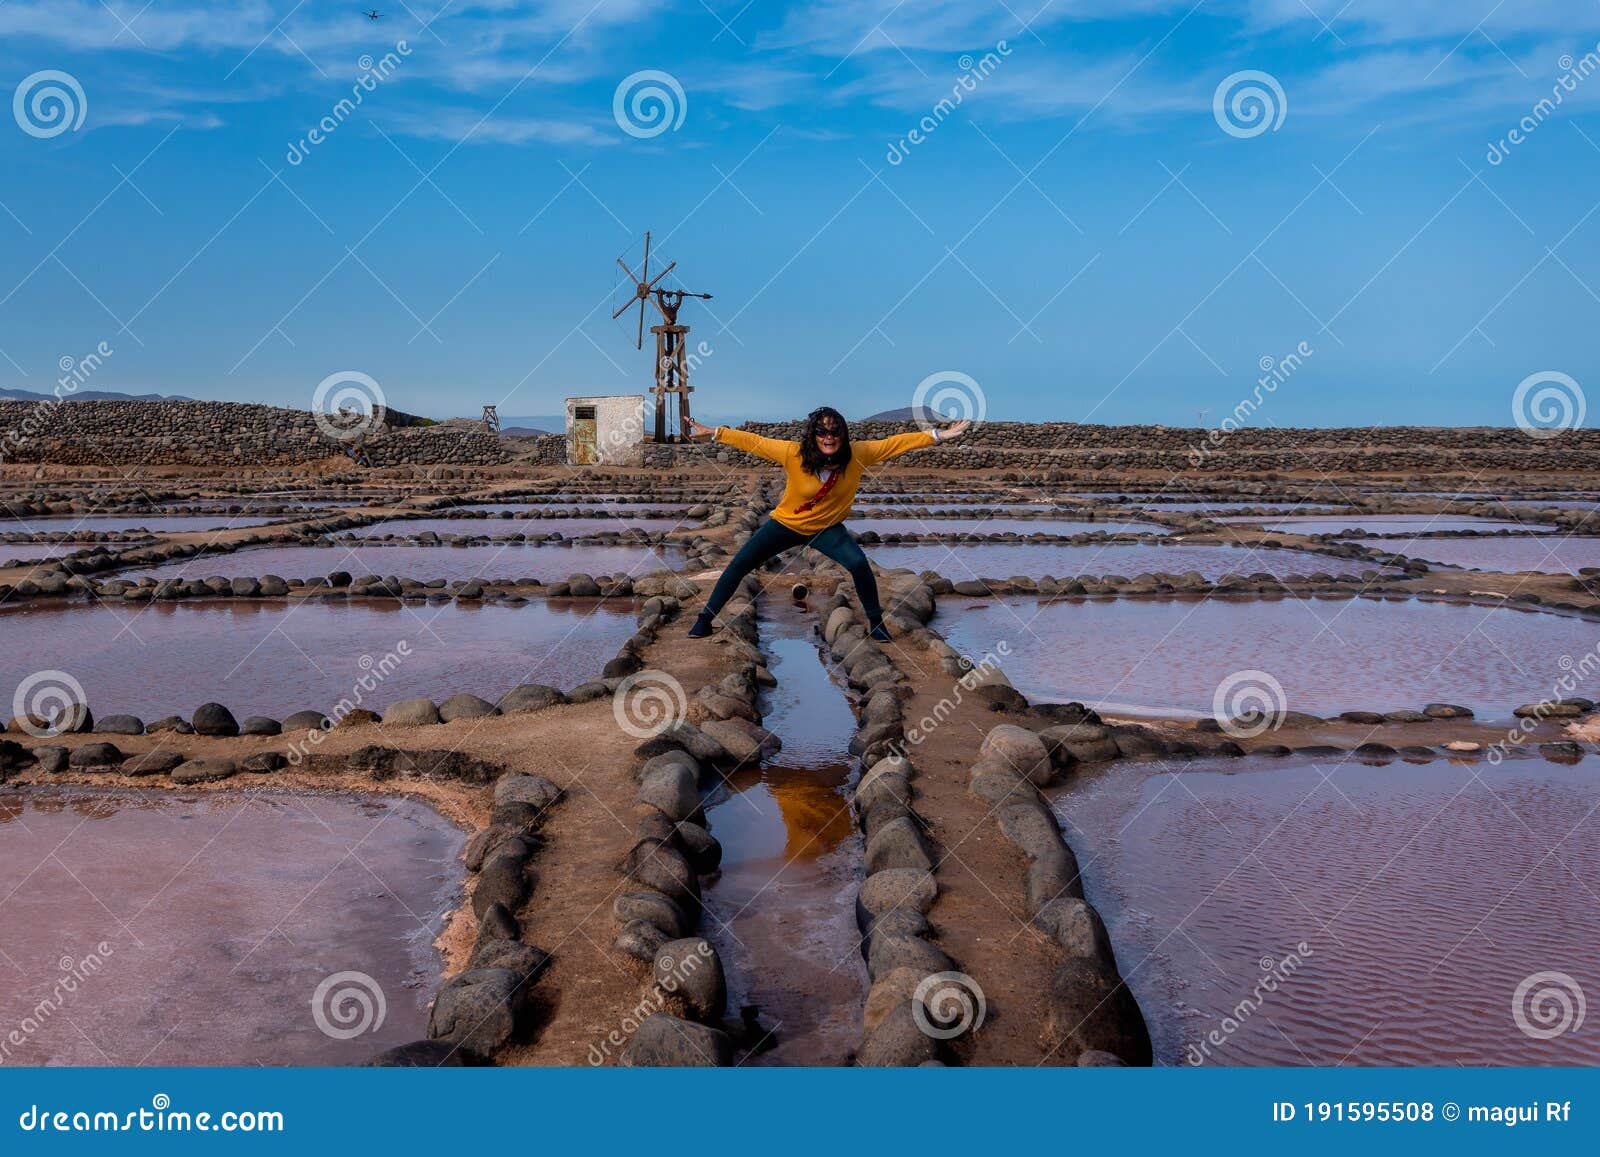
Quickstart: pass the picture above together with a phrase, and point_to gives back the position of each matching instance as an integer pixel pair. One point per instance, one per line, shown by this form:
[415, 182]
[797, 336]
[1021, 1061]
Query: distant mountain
[88, 396]
[903, 414]
[541, 423]
[523, 431]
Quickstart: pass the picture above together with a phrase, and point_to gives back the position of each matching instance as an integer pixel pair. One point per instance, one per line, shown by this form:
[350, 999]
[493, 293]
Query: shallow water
[959, 561]
[165, 523]
[782, 911]
[1392, 524]
[608, 501]
[1168, 656]
[423, 563]
[1055, 526]
[158, 659]
[505, 526]
[194, 928]
[1396, 909]
[1556, 554]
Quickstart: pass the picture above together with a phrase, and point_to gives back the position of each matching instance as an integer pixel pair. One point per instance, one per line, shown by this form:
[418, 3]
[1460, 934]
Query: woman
[822, 472]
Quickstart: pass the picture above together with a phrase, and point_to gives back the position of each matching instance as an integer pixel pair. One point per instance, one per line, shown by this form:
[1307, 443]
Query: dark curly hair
[811, 457]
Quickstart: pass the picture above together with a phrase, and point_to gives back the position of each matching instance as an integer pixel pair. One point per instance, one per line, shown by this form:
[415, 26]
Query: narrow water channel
[781, 912]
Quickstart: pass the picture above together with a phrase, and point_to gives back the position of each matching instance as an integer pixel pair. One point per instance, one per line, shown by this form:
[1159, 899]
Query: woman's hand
[951, 433]
[697, 430]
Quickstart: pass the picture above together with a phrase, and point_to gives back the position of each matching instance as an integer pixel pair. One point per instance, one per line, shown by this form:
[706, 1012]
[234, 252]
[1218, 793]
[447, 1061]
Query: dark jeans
[773, 538]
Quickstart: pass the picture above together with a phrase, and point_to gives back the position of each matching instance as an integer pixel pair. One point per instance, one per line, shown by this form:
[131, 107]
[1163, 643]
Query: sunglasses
[829, 432]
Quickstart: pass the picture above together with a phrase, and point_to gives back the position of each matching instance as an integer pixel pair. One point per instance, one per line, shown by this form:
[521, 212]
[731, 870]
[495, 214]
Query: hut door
[585, 444]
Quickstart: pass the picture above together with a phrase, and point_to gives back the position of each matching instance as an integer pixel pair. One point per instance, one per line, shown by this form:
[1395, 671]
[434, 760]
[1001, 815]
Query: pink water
[1391, 524]
[782, 909]
[158, 659]
[1555, 554]
[507, 526]
[961, 561]
[1165, 656]
[167, 928]
[423, 563]
[165, 523]
[1055, 526]
[1397, 909]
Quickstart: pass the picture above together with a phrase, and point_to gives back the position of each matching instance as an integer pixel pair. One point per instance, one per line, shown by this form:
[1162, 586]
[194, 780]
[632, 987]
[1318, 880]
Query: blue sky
[1082, 234]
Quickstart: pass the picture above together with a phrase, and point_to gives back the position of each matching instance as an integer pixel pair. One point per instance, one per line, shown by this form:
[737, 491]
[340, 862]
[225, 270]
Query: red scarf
[827, 485]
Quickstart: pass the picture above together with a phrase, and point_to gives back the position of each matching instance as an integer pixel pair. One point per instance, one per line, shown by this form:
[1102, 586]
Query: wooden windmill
[672, 357]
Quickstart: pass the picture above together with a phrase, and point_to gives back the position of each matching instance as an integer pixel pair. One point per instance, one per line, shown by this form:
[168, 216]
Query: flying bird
[374, 14]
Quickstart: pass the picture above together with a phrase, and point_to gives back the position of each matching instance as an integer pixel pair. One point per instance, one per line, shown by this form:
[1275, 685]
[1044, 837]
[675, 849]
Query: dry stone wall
[1040, 446]
[120, 433]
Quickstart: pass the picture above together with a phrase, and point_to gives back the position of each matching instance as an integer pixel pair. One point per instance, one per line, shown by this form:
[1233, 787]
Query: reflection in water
[1398, 908]
[261, 658]
[1395, 524]
[220, 915]
[1330, 655]
[781, 913]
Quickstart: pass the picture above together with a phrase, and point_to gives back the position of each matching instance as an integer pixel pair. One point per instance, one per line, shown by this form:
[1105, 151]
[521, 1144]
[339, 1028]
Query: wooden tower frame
[672, 346]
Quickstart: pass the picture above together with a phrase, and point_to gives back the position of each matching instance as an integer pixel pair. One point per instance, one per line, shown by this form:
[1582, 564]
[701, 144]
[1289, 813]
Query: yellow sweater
[802, 486]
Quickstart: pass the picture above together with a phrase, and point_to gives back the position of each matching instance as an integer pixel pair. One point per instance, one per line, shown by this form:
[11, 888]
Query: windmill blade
[640, 342]
[649, 285]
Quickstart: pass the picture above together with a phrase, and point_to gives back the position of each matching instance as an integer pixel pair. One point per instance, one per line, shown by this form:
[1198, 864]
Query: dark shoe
[880, 632]
[701, 628]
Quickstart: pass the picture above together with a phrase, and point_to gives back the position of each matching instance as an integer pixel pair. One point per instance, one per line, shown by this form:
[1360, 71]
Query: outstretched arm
[883, 449]
[772, 449]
